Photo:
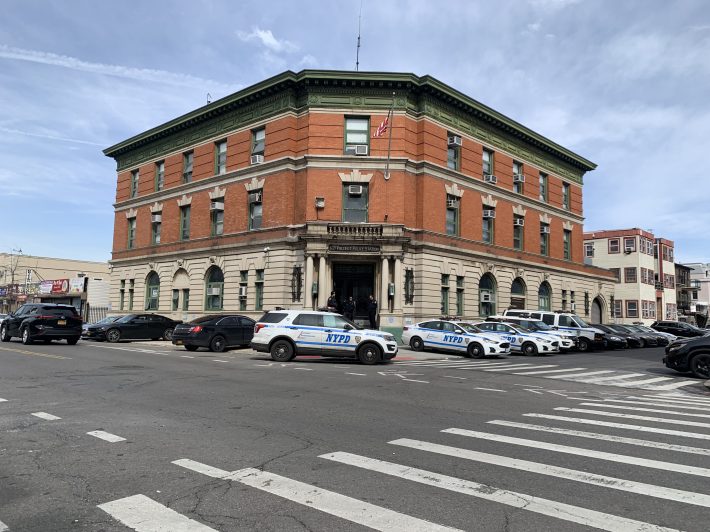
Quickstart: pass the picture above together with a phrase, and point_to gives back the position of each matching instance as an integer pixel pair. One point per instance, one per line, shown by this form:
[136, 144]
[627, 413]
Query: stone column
[323, 292]
[307, 295]
[398, 285]
[384, 301]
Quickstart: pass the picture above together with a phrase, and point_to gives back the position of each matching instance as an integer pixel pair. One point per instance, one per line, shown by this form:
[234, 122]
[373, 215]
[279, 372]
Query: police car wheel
[530, 349]
[416, 344]
[282, 351]
[476, 350]
[369, 354]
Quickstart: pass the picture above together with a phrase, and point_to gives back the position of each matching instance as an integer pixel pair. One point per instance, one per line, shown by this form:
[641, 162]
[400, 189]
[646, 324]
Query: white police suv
[450, 336]
[521, 339]
[289, 333]
[567, 339]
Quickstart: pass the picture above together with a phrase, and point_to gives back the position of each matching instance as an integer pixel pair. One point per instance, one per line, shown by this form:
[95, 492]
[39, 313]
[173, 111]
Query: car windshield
[204, 319]
[125, 319]
[107, 319]
[469, 328]
[522, 329]
[622, 329]
[538, 326]
[579, 321]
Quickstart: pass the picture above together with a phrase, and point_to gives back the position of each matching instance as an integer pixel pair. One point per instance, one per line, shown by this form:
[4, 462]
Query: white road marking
[332, 503]
[635, 417]
[640, 428]
[186, 356]
[452, 377]
[525, 365]
[595, 380]
[462, 365]
[666, 405]
[106, 436]
[145, 515]
[548, 371]
[677, 395]
[304, 369]
[3, 400]
[579, 451]
[605, 437]
[673, 400]
[358, 374]
[415, 380]
[638, 409]
[644, 382]
[631, 486]
[3, 527]
[514, 367]
[533, 391]
[490, 390]
[673, 386]
[575, 375]
[558, 510]
[45, 415]
[218, 360]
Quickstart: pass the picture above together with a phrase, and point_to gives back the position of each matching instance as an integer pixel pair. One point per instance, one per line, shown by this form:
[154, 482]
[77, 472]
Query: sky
[625, 84]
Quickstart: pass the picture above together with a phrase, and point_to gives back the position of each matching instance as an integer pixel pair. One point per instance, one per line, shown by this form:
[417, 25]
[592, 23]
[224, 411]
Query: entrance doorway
[597, 311]
[356, 281]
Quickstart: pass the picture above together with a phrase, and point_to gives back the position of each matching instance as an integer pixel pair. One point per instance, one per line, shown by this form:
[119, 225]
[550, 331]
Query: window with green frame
[453, 157]
[243, 284]
[565, 196]
[217, 219]
[155, 229]
[259, 285]
[487, 162]
[159, 175]
[355, 202]
[175, 300]
[357, 133]
[131, 233]
[543, 186]
[518, 171]
[444, 294]
[567, 244]
[256, 209]
[258, 141]
[452, 215]
[488, 226]
[459, 295]
[518, 232]
[122, 295]
[220, 157]
[187, 158]
[544, 239]
[131, 292]
[152, 291]
[185, 299]
[214, 289]
[134, 183]
[185, 222]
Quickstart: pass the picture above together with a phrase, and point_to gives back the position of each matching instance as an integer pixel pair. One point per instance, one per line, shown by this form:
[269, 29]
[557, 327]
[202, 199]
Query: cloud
[308, 61]
[535, 26]
[552, 5]
[268, 40]
[51, 137]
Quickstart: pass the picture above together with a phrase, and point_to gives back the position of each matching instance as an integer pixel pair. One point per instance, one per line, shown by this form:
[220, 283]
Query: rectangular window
[567, 244]
[444, 295]
[243, 280]
[185, 222]
[220, 157]
[122, 295]
[259, 285]
[518, 232]
[217, 218]
[452, 215]
[630, 244]
[632, 308]
[131, 233]
[630, 275]
[453, 157]
[544, 239]
[518, 176]
[565, 196]
[487, 162]
[613, 245]
[156, 228]
[258, 141]
[159, 175]
[618, 308]
[488, 231]
[175, 299]
[459, 295]
[564, 299]
[185, 299]
[134, 183]
[357, 133]
[617, 273]
[131, 291]
[187, 167]
[543, 187]
[355, 201]
[589, 250]
[255, 209]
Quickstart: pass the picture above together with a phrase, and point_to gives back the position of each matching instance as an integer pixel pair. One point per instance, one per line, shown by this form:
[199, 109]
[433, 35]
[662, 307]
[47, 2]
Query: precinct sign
[353, 248]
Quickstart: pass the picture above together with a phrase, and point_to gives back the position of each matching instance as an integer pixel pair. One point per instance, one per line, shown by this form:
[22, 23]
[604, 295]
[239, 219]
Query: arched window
[181, 291]
[517, 294]
[214, 289]
[152, 291]
[544, 296]
[487, 295]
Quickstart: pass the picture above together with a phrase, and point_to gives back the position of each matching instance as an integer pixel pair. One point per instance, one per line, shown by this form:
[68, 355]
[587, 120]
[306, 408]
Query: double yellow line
[32, 353]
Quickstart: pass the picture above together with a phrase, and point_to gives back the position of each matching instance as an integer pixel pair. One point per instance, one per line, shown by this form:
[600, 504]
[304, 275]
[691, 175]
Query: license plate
[178, 342]
[61, 322]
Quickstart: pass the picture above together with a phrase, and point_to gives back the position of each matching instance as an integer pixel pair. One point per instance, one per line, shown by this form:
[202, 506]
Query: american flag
[383, 126]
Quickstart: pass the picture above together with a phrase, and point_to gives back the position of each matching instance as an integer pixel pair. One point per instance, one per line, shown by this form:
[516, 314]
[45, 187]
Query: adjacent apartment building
[644, 271]
[699, 291]
[297, 186]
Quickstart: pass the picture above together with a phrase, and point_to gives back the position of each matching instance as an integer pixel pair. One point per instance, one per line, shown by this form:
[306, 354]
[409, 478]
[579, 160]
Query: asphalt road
[237, 442]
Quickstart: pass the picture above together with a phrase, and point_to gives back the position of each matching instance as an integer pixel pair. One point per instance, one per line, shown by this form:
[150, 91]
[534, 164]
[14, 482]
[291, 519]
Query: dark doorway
[356, 280]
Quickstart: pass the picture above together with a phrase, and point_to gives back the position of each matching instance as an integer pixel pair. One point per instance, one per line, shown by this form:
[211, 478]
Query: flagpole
[389, 144]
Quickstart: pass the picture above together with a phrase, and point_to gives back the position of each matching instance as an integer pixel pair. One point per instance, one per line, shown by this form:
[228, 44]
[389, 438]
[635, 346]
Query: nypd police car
[286, 334]
[567, 339]
[449, 336]
[521, 339]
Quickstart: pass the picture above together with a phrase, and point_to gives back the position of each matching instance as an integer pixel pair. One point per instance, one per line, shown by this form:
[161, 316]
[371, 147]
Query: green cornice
[296, 92]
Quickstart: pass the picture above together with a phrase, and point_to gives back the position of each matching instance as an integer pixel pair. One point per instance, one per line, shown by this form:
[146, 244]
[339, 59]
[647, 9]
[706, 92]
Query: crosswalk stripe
[631, 486]
[673, 399]
[517, 367]
[638, 409]
[640, 428]
[3, 527]
[667, 405]
[107, 436]
[645, 381]
[558, 510]
[145, 515]
[634, 416]
[673, 386]
[456, 365]
[579, 451]
[575, 375]
[605, 437]
[549, 371]
[329, 502]
[3, 400]
[45, 416]
[595, 380]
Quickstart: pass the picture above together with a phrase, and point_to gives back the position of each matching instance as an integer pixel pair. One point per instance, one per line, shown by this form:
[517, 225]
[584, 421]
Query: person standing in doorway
[349, 308]
[332, 303]
[372, 311]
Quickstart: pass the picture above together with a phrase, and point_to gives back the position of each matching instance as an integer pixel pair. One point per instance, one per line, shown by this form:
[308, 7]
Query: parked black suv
[678, 328]
[42, 322]
[689, 354]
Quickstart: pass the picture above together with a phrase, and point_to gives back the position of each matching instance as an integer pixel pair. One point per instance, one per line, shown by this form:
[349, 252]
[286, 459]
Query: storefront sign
[353, 248]
[76, 286]
[60, 286]
[45, 287]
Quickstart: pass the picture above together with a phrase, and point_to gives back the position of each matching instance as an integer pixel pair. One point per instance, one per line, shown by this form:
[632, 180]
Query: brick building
[276, 195]
[644, 270]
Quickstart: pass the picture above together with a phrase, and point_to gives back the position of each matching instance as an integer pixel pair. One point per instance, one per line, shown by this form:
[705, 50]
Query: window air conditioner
[255, 197]
[452, 203]
[489, 213]
[361, 149]
[572, 307]
[355, 190]
[214, 291]
[519, 221]
[545, 230]
[256, 159]
[490, 178]
[486, 297]
[518, 178]
[216, 205]
[242, 291]
[156, 218]
[454, 140]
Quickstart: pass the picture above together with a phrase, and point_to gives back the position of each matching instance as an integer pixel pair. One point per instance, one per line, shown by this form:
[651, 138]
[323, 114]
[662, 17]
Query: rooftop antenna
[357, 53]
[209, 98]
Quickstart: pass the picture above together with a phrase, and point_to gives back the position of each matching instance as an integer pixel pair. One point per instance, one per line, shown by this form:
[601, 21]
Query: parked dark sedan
[678, 328]
[42, 322]
[215, 332]
[634, 338]
[105, 321]
[689, 354]
[661, 340]
[612, 338]
[134, 327]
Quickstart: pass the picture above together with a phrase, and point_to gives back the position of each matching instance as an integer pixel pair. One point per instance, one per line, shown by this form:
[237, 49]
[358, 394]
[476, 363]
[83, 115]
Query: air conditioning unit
[454, 140]
[519, 221]
[214, 291]
[544, 229]
[355, 190]
[256, 159]
[320, 202]
[519, 178]
[255, 197]
[489, 213]
[452, 203]
[216, 205]
[486, 297]
[156, 218]
[490, 178]
[361, 149]
[242, 291]
[572, 307]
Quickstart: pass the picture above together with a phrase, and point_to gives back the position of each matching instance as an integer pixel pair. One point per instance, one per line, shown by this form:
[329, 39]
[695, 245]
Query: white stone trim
[545, 219]
[184, 201]
[489, 201]
[218, 193]
[131, 213]
[454, 190]
[355, 177]
[567, 225]
[519, 210]
[254, 184]
[156, 208]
